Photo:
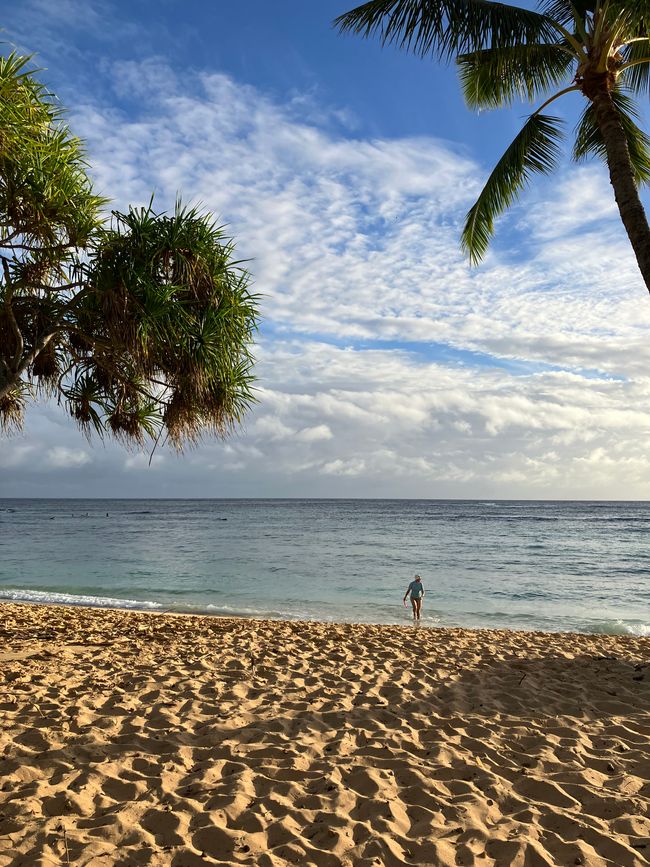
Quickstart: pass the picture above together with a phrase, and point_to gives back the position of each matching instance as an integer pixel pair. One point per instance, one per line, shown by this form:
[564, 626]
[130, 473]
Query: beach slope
[129, 738]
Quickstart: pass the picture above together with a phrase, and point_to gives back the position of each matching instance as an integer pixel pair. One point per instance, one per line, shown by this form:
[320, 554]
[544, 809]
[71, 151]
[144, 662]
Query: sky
[386, 365]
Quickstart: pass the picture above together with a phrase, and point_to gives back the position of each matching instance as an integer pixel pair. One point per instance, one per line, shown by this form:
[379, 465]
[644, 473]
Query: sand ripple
[130, 738]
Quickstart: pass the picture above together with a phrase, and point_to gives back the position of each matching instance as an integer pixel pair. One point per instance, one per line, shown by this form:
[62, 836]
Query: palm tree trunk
[622, 180]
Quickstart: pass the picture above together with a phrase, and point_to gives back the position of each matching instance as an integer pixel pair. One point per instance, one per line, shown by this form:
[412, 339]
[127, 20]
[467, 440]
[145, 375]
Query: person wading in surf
[416, 590]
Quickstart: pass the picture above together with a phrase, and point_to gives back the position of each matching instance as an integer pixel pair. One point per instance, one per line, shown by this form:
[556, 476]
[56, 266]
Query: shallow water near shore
[552, 566]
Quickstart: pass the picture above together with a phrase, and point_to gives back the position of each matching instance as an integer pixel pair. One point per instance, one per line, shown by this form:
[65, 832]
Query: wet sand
[130, 738]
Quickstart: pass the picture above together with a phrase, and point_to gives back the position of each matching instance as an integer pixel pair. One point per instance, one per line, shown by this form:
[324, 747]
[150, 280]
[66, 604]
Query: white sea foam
[620, 627]
[52, 598]
[48, 597]
[605, 627]
[241, 611]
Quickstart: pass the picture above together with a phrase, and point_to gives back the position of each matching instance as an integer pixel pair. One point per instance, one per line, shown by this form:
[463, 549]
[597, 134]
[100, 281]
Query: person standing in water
[416, 590]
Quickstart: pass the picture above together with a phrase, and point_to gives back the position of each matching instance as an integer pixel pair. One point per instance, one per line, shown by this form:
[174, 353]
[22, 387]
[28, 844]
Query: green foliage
[506, 54]
[45, 193]
[142, 326]
[637, 77]
[446, 28]
[535, 150]
[566, 12]
[496, 78]
[589, 140]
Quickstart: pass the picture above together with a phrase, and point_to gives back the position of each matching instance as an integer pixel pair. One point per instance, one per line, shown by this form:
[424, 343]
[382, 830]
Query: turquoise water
[521, 565]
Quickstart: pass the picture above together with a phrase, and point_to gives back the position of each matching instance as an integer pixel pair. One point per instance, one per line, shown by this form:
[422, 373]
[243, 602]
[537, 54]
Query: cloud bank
[386, 366]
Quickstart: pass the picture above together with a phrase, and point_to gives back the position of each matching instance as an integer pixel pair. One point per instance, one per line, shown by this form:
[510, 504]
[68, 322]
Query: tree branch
[27, 360]
[9, 237]
[78, 297]
[63, 288]
[54, 248]
[20, 343]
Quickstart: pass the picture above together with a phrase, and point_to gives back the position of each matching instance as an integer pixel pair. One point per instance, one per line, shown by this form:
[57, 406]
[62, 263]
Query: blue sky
[286, 49]
[387, 367]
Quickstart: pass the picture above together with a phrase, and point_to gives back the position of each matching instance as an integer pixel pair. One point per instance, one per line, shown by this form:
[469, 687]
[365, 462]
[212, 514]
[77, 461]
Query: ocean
[554, 566]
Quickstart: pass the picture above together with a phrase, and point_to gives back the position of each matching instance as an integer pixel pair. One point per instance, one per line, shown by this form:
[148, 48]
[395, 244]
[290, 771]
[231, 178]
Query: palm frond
[535, 150]
[636, 15]
[445, 28]
[494, 78]
[637, 77]
[589, 140]
[565, 11]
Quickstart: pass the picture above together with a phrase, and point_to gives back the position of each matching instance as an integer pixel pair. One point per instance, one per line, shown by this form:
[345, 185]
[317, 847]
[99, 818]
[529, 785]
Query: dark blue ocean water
[521, 565]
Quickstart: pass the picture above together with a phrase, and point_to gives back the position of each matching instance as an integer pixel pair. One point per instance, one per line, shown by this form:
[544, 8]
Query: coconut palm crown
[600, 48]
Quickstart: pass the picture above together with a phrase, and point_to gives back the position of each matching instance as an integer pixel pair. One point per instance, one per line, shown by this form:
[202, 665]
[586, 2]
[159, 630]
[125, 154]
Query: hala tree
[599, 48]
[139, 326]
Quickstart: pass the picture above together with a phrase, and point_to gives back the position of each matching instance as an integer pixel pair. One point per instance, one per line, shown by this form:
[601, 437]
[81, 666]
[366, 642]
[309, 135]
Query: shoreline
[526, 567]
[187, 740]
[407, 624]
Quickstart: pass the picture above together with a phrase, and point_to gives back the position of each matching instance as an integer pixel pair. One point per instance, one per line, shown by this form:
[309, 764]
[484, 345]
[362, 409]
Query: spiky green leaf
[496, 78]
[566, 12]
[446, 28]
[144, 322]
[637, 77]
[535, 150]
[635, 14]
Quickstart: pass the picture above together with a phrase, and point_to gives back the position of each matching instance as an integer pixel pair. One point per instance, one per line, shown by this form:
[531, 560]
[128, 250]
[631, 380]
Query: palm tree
[600, 48]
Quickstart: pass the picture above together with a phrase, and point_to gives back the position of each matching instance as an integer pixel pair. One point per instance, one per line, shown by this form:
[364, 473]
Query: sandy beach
[130, 738]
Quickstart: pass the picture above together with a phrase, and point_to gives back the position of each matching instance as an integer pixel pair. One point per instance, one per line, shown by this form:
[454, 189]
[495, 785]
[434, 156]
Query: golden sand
[130, 738]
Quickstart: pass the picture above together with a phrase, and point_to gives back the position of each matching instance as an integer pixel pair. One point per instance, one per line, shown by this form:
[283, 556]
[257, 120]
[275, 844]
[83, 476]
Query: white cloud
[358, 239]
[15, 453]
[386, 366]
[61, 457]
[271, 428]
[581, 199]
[315, 434]
[338, 467]
[141, 461]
